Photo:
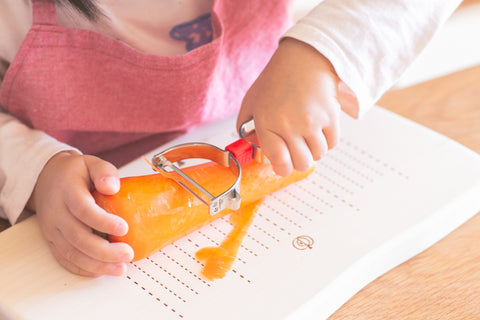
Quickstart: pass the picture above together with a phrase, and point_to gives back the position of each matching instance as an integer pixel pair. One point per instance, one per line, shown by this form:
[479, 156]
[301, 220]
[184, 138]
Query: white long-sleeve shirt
[370, 43]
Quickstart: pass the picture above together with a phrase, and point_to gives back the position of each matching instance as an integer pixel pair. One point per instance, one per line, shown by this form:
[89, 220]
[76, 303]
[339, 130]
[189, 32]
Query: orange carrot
[159, 211]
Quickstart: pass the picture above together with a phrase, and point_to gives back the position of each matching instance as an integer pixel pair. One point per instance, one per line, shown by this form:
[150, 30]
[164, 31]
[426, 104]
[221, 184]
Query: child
[86, 86]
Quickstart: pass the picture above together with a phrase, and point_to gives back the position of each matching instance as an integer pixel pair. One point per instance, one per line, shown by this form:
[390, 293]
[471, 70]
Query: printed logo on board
[303, 242]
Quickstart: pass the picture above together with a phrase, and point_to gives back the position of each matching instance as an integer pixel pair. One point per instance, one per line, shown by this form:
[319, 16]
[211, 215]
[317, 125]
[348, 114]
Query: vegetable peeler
[234, 156]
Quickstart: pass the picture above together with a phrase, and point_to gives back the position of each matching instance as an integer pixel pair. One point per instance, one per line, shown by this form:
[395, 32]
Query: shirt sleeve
[371, 43]
[23, 153]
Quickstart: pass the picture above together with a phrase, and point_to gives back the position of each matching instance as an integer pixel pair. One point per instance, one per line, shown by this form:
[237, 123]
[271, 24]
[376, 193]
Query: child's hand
[67, 213]
[295, 108]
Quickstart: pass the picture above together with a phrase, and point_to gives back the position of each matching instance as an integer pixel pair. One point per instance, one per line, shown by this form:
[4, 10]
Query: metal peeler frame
[235, 155]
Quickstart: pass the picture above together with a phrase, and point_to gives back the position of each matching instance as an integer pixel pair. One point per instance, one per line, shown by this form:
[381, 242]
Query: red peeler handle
[242, 150]
[245, 150]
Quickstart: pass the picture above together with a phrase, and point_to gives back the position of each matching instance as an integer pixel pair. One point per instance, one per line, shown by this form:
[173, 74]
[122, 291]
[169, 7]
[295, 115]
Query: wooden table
[442, 282]
[4, 224]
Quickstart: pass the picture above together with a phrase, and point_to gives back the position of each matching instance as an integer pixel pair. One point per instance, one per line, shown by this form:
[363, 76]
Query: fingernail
[127, 256]
[113, 182]
[121, 229]
[118, 269]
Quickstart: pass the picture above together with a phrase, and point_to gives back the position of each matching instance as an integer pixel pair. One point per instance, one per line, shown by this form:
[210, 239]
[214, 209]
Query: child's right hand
[296, 108]
[67, 213]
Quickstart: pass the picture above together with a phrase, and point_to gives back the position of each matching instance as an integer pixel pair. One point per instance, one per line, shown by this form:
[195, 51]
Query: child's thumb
[104, 175]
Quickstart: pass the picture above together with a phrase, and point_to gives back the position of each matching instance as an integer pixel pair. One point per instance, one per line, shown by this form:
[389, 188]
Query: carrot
[159, 211]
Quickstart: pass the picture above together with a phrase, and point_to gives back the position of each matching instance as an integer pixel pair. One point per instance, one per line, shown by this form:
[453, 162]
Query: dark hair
[87, 7]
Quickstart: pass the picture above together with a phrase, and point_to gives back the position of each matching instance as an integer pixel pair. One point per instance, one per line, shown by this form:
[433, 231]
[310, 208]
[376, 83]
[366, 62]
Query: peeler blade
[229, 199]
[235, 155]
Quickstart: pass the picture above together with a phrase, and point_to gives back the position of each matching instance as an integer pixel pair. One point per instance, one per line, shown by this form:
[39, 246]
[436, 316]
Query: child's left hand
[295, 108]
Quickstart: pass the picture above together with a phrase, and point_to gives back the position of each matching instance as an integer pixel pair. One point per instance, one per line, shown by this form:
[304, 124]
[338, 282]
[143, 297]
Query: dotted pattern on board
[172, 278]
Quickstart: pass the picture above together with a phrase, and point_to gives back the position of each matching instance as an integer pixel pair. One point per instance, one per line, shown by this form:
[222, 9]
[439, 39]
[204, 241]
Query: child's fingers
[82, 238]
[103, 174]
[332, 134]
[81, 204]
[78, 262]
[246, 113]
[317, 144]
[300, 153]
[275, 149]
[69, 265]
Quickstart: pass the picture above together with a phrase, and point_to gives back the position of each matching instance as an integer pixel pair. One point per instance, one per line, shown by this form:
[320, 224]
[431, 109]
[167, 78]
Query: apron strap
[44, 12]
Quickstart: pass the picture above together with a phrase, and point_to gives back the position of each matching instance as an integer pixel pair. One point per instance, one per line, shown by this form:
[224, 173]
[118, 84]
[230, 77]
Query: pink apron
[106, 98]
